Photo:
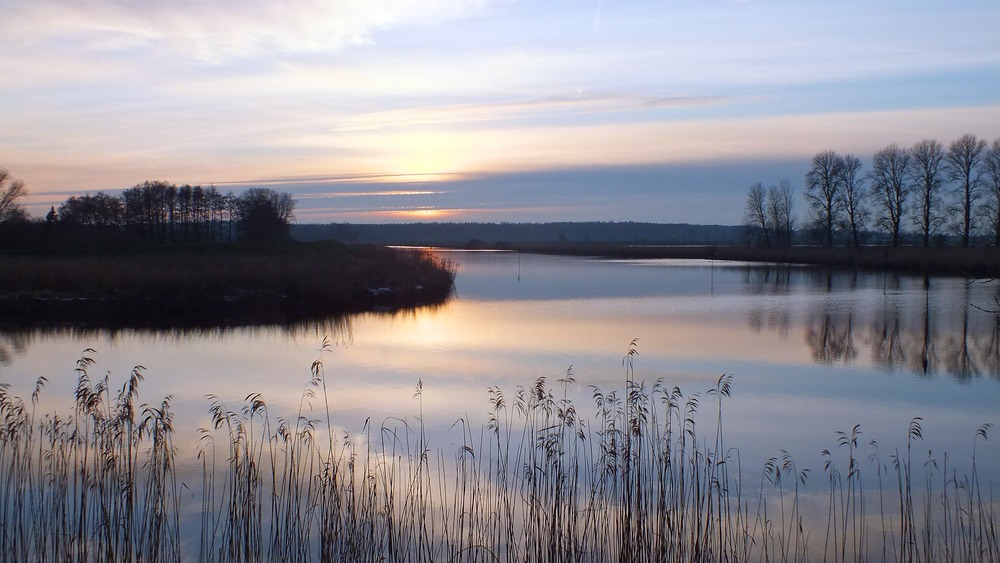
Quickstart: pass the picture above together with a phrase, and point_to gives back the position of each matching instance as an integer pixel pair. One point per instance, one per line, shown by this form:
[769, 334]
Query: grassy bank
[215, 284]
[649, 477]
[973, 262]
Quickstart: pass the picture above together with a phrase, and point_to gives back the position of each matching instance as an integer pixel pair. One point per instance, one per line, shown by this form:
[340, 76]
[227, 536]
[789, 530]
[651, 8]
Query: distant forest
[499, 234]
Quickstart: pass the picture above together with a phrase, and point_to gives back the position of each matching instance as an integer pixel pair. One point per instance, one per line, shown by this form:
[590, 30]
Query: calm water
[811, 352]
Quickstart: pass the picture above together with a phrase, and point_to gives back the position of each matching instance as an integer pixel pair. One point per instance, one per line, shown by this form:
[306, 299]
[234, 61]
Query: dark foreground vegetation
[982, 261]
[642, 479]
[213, 284]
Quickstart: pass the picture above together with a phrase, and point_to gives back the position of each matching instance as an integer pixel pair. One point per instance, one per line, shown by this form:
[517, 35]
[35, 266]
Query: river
[811, 352]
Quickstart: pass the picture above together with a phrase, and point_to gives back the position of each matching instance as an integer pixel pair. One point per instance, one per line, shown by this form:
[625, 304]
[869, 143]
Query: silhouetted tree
[169, 206]
[928, 174]
[854, 197]
[146, 209]
[779, 212]
[217, 206]
[233, 209]
[198, 212]
[890, 187]
[265, 214]
[963, 159]
[755, 215]
[991, 181]
[76, 211]
[100, 210]
[52, 217]
[11, 190]
[823, 192]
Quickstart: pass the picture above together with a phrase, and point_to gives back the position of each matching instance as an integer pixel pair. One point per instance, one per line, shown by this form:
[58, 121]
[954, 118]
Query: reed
[97, 484]
[217, 285]
[640, 477]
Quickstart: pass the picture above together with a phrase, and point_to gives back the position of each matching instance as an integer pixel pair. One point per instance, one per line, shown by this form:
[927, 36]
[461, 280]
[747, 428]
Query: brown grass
[218, 284]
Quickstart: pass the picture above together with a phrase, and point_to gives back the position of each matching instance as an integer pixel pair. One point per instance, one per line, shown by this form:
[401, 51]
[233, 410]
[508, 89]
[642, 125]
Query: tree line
[917, 195]
[154, 212]
[506, 235]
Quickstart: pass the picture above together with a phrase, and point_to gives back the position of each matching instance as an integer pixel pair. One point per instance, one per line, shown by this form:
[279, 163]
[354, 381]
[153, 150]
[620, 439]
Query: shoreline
[975, 262]
[216, 285]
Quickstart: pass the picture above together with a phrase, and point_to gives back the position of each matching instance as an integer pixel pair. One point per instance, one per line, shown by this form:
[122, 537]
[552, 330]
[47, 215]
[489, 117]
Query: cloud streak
[215, 31]
[517, 110]
[374, 96]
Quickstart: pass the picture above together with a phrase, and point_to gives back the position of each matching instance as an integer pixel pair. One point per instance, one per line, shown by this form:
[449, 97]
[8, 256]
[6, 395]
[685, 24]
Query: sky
[482, 110]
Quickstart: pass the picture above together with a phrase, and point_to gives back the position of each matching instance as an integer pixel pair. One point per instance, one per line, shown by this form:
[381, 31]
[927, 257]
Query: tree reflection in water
[831, 339]
[910, 326]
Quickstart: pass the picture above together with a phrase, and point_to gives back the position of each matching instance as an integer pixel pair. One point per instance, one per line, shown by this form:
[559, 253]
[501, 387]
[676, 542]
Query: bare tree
[927, 171]
[823, 192]
[991, 180]
[755, 214]
[779, 212]
[963, 158]
[100, 210]
[10, 191]
[265, 214]
[890, 187]
[854, 197]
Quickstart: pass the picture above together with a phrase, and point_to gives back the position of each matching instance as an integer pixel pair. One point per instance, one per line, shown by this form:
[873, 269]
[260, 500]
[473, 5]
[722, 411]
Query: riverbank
[216, 285]
[981, 262]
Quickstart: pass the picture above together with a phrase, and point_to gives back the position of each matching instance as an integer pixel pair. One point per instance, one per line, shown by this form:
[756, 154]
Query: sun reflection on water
[811, 353]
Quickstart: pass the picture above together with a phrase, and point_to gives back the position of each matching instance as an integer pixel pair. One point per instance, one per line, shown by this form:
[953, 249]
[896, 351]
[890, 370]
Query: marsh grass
[641, 477]
[217, 285]
[96, 485]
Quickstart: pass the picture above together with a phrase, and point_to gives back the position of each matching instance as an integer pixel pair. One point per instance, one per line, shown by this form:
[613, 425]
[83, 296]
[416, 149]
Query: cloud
[382, 193]
[352, 179]
[467, 113]
[217, 30]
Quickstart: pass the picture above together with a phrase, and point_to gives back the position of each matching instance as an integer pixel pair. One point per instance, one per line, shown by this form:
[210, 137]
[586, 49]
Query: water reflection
[809, 349]
[918, 324]
[564, 307]
[785, 331]
[13, 344]
[831, 339]
[16, 341]
[908, 332]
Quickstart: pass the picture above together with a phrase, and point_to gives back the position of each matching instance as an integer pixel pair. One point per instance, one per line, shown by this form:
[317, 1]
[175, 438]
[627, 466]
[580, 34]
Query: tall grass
[96, 485]
[217, 285]
[643, 477]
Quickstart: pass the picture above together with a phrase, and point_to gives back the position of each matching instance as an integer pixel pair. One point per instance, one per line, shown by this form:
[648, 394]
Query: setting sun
[417, 214]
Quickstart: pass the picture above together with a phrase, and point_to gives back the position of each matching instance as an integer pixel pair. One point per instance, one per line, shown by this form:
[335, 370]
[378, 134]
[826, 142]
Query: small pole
[711, 269]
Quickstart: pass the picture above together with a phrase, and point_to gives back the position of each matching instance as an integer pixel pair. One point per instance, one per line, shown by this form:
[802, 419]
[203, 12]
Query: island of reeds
[163, 255]
[648, 476]
[216, 284]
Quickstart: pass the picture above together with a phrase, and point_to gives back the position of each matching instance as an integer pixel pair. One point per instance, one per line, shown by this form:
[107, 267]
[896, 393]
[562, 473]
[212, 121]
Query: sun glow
[419, 177]
[426, 213]
[387, 193]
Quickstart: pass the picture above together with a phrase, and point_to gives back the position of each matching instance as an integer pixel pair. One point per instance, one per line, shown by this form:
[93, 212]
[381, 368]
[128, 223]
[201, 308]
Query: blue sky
[483, 110]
